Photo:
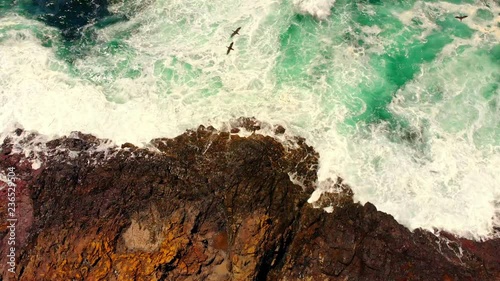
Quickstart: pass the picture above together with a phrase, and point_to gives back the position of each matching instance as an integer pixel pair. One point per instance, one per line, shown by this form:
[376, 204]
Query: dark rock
[18, 132]
[71, 15]
[279, 130]
[250, 124]
[208, 205]
[129, 145]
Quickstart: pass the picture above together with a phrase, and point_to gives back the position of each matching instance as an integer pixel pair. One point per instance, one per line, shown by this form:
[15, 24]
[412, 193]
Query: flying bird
[461, 17]
[235, 32]
[230, 48]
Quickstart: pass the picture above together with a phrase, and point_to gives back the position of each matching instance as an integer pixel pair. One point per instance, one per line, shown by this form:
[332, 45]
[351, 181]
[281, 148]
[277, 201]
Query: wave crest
[320, 9]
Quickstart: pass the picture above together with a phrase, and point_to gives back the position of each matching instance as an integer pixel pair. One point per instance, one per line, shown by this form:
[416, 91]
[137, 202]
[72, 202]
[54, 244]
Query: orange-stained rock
[210, 205]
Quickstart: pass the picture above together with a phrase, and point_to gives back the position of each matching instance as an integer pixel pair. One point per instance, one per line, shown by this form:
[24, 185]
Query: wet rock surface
[209, 205]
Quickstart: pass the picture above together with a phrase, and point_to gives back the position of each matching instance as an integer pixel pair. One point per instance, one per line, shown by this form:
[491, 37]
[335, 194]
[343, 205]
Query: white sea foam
[320, 9]
[4, 179]
[429, 12]
[178, 49]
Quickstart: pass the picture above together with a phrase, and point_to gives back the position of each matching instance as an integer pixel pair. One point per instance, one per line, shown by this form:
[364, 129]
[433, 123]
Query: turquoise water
[400, 98]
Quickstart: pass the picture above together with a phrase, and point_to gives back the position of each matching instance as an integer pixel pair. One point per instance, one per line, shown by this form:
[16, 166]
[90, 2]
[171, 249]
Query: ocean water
[400, 99]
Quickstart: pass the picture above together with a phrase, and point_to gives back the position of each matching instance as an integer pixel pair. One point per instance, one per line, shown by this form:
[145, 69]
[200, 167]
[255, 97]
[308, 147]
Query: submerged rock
[71, 15]
[209, 205]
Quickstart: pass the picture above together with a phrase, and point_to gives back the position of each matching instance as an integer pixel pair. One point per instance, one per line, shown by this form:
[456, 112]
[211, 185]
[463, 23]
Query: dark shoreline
[209, 205]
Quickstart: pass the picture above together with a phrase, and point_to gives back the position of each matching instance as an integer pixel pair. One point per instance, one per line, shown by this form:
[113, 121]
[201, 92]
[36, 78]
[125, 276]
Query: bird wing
[235, 32]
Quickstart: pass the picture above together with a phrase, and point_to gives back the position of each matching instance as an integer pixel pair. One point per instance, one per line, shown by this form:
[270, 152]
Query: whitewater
[400, 98]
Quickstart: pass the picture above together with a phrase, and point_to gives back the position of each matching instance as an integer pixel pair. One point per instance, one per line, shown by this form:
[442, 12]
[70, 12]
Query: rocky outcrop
[208, 205]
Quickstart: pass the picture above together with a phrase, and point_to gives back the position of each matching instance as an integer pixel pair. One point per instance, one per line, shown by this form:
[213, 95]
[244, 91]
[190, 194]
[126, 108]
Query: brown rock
[207, 206]
[128, 145]
[279, 130]
[250, 124]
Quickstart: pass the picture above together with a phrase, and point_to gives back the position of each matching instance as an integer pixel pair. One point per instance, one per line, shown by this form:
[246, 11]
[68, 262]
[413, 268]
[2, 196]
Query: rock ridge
[210, 205]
